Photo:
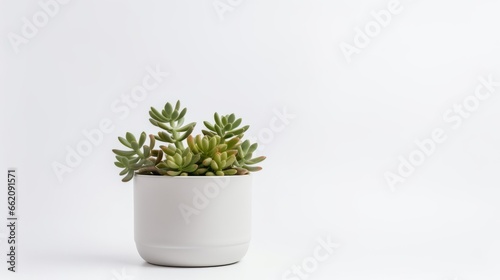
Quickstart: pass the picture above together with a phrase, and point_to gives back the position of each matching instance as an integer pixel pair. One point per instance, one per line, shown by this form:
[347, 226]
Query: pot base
[193, 256]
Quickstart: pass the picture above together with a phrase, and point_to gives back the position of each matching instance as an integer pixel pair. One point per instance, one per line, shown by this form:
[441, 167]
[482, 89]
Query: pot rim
[192, 177]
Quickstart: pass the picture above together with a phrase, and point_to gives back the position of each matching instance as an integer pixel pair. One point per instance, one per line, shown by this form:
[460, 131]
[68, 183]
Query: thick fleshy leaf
[153, 113]
[205, 144]
[219, 130]
[130, 137]
[231, 118]
[241, 171]
[256, 160]
[168, 110]
[186, 134]
[230, 161]
[240, 130]
[208, 133]
[186, 127]
[233, 143]
[173, 173]
[172, 164]
[164, 137]
[191, 168]
[142, 138]
[253, 147]
[123, 153]
[182, 114]
[164, 126]
[178, 159]
[170, 150]
[188, 158]
[129, 176]
[222, 147]
[237, 123]
[200, 171]
[245, 145]
[207, 161]
[135, 146]
[230, 172]
[217, 119]
[213, 142]
[152, 141]
[209, 125]
[162, 165]
[124, 142]
[191, 144]
[252, 168]
[217, 159]
[214, 165]
[146, 151]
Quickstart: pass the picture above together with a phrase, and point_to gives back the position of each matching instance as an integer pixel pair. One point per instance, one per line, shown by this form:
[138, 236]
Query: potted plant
[192, 196]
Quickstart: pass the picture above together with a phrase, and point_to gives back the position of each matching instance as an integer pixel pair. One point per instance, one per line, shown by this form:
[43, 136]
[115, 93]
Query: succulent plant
[225, 126]
[171, 120]
[217, 152]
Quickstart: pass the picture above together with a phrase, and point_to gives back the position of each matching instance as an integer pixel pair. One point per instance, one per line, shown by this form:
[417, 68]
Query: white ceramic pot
[192, 220]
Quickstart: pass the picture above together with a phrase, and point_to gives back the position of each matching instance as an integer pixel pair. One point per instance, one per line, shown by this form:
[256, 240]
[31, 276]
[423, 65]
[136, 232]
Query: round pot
[192, 220]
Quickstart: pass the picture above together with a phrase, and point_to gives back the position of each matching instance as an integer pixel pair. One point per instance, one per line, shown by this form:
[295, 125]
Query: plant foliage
[219, 151]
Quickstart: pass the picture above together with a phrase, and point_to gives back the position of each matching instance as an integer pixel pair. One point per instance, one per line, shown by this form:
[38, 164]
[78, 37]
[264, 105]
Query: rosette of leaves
[217, 158]
[226, 127]
[220, 164]
[244, 161]
[207, 145]
[171, 120]
[180, 162]
[136, 157]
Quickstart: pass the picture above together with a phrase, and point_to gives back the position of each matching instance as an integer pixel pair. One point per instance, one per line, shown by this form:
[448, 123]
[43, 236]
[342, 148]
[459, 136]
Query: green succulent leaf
[230, 171]
[130, 137]
[171, 163]
[124, 142]
[129, 176]
[168, 110]
[217, 119]
[253, 168]
[124, 171]
[255, 160]
[123, 153]
[173, 173]
[191, 168]
[231, 118]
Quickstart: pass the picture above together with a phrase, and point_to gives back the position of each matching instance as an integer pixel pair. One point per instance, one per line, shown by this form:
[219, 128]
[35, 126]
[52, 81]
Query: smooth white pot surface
[192, 221]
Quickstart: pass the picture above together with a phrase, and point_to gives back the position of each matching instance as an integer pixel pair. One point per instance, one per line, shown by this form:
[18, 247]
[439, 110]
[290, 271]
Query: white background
[324, 175]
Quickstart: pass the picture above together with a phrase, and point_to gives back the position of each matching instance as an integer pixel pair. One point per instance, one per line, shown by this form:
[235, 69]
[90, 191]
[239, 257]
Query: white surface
[324, 175]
